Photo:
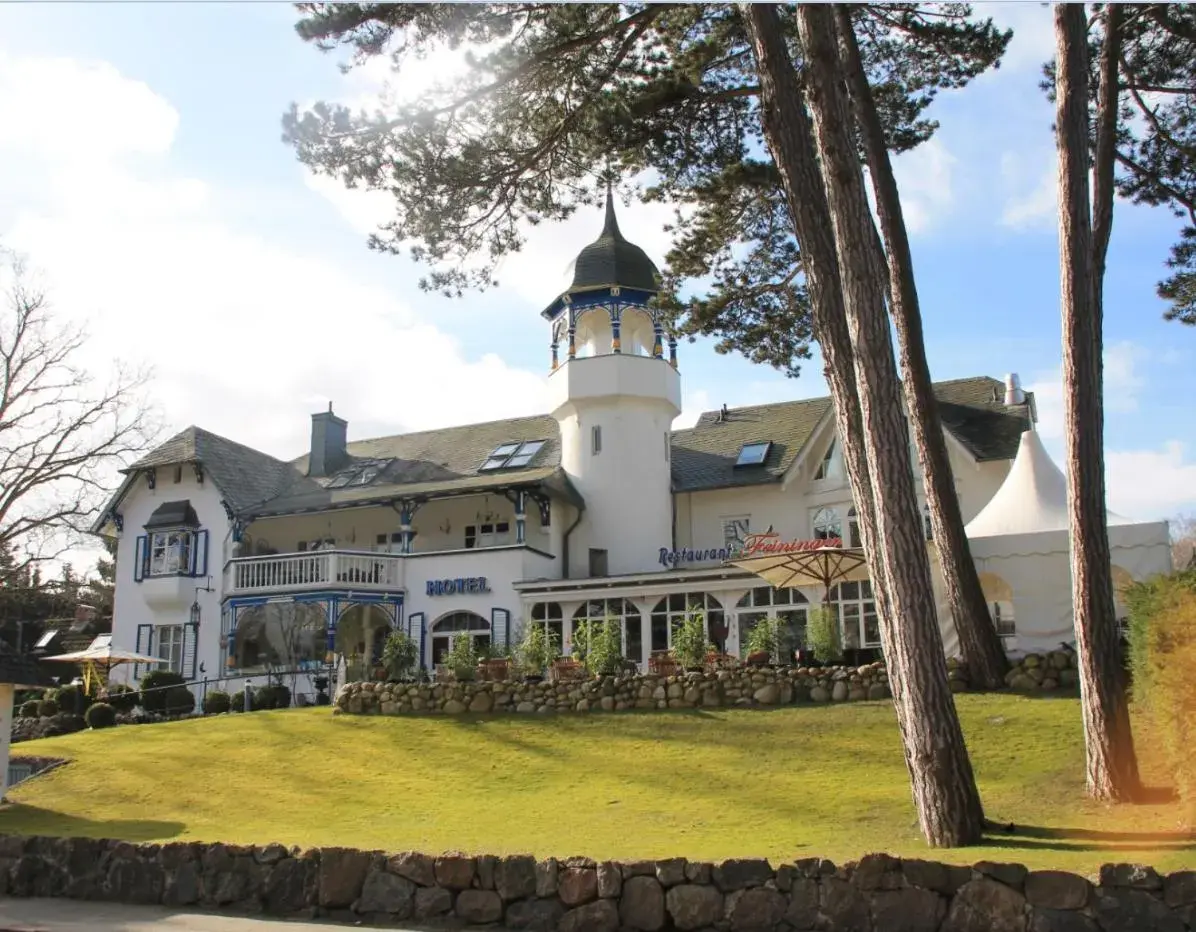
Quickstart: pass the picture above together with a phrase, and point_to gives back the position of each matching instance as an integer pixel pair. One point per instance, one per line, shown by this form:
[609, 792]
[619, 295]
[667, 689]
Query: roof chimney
[1013, 390]
[328, 444]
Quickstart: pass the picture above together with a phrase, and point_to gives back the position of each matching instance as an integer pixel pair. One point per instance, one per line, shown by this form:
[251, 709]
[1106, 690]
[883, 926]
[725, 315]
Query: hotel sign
[752, 545]
[467, 585]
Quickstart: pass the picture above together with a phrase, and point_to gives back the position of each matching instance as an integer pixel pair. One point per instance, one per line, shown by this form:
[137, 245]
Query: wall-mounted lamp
[195, 610]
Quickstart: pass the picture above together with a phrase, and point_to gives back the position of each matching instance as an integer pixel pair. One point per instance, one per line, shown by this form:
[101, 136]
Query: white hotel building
[231, 561]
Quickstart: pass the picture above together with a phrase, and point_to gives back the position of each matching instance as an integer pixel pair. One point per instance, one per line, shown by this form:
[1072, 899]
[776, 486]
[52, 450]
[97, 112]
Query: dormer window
[512, 455]
[753, 454]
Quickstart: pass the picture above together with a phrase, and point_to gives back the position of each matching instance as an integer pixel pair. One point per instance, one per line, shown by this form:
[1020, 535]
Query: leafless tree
[63, 433]
[1183, 542]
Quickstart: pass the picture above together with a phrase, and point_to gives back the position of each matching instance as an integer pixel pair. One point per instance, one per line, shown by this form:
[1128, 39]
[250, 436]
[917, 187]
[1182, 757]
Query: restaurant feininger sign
[753, 545]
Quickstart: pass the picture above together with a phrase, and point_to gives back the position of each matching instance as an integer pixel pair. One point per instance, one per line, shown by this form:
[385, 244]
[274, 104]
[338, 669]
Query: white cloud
[246, 337]
[1033, 43]
[1031, 190]
[65, 110]
[1122, 384]
[1147, 484]
[1144, 484]
[925, 179]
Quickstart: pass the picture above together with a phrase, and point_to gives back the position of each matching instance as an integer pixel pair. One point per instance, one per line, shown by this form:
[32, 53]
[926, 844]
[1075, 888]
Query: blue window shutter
[500, 622]
[145, 643]
[190, 650]
[415, 631]
[140, 558]
[199, 554]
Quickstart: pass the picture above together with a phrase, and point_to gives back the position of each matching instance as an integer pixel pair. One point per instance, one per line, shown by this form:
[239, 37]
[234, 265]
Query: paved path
[54, 915]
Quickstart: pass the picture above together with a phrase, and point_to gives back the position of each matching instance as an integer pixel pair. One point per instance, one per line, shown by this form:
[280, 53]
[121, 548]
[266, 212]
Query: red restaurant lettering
[771, 543]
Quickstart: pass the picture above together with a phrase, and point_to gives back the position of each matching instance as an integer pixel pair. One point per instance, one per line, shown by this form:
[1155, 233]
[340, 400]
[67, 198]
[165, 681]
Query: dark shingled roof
[704, 456]
[245, 476]
[437, 462]
[442, 462]
[611, 260]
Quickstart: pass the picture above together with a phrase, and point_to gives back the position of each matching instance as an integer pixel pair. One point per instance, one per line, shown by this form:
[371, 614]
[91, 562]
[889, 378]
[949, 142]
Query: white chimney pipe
[1013, 390]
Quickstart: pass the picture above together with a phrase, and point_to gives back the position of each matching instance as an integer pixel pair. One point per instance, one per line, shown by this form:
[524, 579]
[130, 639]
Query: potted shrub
[399, 655]
[462, 659]
[761, 644]
[689, 642]
[598, 646]
[538, 648]
[822, 634]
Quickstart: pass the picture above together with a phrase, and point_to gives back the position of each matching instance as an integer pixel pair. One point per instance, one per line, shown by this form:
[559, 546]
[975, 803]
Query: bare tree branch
[63, 434]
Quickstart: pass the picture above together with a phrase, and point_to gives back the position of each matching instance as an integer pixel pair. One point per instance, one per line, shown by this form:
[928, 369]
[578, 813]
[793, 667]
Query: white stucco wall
[167, 600]
[633, 401]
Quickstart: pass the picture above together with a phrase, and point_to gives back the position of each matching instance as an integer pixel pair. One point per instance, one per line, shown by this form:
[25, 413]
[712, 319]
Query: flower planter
[758, 658]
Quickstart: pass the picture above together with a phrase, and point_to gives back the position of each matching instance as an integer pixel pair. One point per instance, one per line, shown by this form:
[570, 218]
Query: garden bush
[216, 702]
[47, 708]
[70, 698]
[599, 646]
[155, 688]
[822, 634]
[178, 700]
[236, 702]
[271, 696]
[1163, 662]
[100, 715]
[29, 709]
[121, 697]
[690, 644]
[400, 654]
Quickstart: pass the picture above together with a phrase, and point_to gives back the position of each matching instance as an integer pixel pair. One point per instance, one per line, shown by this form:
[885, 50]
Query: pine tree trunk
[979, 643]
[1112, 770]
[943, 785]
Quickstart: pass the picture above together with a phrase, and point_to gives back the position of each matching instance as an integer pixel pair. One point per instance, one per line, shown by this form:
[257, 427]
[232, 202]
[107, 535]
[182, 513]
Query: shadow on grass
[22, 819]
[1047, 838]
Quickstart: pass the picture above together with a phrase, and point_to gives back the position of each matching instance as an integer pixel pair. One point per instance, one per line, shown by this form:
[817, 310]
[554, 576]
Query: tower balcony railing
[321, 569]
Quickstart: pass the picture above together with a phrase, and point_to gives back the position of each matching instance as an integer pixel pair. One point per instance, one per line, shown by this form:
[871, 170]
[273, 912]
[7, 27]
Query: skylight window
[753, 454]
[512, 455]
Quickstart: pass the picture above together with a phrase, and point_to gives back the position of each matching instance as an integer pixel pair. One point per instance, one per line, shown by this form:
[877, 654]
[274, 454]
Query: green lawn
[784, 784]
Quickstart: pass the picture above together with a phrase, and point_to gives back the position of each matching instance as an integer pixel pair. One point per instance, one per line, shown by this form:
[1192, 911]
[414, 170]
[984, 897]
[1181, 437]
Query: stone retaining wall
[765, 686]
[743, 686]
[876, 894]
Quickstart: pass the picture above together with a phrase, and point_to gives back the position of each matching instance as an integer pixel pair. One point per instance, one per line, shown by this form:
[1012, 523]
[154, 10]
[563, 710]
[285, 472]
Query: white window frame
[855, 612]
[820, 526]
[483, 538]
[735, 529]
[170, 552]
[168, 646]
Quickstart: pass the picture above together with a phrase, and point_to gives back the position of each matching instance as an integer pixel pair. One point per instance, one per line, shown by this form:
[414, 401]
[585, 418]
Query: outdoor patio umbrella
[788, 565]
[103, 658]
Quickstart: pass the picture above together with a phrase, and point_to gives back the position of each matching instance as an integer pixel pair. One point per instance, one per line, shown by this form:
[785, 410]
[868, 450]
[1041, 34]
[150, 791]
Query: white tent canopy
[1021, 545]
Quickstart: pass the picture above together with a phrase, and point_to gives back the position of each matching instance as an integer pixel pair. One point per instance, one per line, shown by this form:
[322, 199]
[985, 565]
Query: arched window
[787, 606]
[594, 333]
[827, 524]
[857, 614]
[549, 615]
[619, 610]
[671, 611]
[458, 624]
[637, 333]
[927, 527]
[853, 529]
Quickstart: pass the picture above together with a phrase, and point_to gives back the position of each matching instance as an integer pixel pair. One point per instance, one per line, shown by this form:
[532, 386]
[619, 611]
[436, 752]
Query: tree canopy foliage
[559, 99]
[1156, 126]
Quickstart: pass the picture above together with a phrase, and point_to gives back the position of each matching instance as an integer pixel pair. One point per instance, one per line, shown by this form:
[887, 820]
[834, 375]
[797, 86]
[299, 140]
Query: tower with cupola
[615, 393]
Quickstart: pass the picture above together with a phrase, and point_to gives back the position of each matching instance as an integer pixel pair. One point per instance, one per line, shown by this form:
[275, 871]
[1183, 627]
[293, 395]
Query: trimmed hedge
[216, 702]
[121, 697]
[100, 715]
[30, 709]
[154, 691]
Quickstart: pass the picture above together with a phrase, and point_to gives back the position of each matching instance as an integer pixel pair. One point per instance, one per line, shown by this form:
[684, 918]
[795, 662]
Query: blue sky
[145, 176]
